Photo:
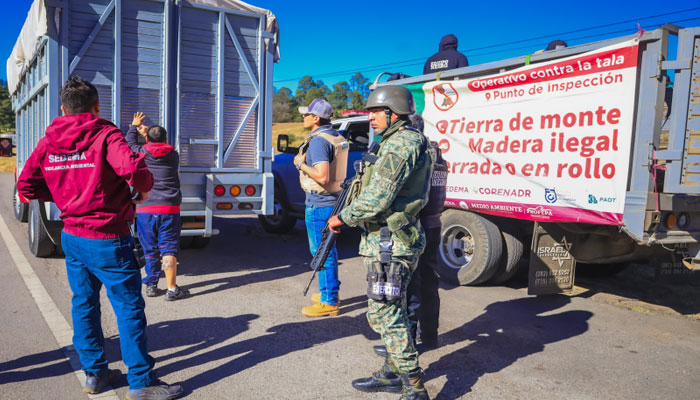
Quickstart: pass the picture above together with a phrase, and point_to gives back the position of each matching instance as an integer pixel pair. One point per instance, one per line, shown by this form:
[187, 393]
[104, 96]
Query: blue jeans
[92, 263]
[328, 283]
[159, 235]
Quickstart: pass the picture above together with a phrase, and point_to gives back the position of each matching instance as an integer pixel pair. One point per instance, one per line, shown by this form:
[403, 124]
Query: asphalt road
[241, 335]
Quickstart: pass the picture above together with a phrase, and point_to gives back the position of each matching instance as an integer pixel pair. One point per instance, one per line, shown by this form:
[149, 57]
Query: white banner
[546, 142]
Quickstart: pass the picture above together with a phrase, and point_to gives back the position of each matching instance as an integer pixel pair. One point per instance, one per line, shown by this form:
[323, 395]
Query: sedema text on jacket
[85, 167]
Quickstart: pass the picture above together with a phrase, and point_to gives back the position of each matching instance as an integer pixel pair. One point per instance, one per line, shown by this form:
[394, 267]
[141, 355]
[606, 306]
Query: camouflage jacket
[400, 154]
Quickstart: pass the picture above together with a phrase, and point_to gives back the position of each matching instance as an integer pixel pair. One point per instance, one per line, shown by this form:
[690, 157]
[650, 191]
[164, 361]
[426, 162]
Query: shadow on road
[641, 282]
[506, 332]
[279, 341]
[58, 367]
[243, 245]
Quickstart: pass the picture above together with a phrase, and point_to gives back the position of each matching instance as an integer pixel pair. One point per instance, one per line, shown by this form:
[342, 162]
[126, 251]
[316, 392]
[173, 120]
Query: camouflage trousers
[390, 320]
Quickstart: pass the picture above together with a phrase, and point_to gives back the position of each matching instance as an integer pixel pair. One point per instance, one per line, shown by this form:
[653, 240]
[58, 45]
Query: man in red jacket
[85, 167]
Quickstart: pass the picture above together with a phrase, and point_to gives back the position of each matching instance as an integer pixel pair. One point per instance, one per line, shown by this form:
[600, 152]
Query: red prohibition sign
[444, 96]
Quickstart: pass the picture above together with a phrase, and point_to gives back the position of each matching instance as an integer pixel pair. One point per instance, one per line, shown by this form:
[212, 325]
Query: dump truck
[586, 154]
[200, 68]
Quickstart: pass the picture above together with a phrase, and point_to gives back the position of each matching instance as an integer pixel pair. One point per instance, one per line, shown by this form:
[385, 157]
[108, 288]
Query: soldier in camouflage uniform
[393, 190]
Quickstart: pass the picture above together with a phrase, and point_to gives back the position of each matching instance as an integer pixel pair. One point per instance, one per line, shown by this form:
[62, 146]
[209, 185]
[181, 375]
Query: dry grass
[7, 164]
[295, 130]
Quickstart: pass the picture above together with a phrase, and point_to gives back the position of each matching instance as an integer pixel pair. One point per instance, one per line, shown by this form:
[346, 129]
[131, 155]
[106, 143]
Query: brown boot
[413, 388]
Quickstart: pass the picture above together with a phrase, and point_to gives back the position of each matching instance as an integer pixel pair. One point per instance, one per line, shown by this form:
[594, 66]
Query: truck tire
[280, 221]
[21, 209]
[512, 254]
[200, 242]
[470, 248]
[186, 242]
[599, 270]
[40, 243]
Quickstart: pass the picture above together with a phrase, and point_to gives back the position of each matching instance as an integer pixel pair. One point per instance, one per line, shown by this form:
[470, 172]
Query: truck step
[193, 200]
[197, 232]
[192, 213]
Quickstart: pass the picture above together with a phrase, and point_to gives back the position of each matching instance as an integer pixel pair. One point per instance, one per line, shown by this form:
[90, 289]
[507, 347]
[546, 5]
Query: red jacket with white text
[85, 166]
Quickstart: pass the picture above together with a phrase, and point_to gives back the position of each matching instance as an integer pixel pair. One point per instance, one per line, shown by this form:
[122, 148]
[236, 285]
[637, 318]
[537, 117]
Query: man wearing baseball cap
[322, 163]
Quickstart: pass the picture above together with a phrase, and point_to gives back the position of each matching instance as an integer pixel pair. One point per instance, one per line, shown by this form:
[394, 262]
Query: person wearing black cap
[447, 58]
[555, 44]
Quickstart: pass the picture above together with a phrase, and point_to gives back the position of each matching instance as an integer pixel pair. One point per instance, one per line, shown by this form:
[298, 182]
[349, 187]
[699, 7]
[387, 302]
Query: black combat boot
[413, 388]
[380, 350]
[383, 380]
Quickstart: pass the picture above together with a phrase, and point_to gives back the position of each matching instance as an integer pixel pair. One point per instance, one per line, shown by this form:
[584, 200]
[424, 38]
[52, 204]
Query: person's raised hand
[138, 119]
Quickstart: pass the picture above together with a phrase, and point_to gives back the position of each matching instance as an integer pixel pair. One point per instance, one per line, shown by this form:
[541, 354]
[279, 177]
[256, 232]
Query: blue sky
[331, 40]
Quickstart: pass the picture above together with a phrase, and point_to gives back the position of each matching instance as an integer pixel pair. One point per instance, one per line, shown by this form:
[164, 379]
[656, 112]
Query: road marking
[58, 325]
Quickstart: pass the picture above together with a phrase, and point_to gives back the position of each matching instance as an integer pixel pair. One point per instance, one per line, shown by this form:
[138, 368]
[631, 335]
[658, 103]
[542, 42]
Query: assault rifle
[328, 238]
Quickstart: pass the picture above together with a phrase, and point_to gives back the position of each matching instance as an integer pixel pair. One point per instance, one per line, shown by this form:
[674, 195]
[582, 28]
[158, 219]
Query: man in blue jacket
[447, 58]
[158, 218]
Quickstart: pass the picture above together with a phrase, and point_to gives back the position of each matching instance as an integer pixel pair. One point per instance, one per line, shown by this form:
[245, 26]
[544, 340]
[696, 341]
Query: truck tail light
[219, 190]
[250, 190]
[671, 221]
[235, 190]
[224, 206]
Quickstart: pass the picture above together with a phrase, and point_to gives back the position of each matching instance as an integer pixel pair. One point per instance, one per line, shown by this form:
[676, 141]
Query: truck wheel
[280, 221]
[186, 242]
[21, 209]
[470, 248]
[510, 260]
[40, 243]
[200, 242]
[599, 270]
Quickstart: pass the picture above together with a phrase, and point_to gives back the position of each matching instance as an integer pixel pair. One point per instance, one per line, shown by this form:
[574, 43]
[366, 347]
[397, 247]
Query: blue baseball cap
[318, 107]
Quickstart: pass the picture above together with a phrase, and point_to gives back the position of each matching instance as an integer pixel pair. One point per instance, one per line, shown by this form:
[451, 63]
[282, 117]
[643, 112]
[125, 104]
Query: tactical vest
[430, 214]
[401, 216]
[337, 169]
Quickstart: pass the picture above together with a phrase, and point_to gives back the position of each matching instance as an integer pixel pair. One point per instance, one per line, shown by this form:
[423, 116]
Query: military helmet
[396, 98]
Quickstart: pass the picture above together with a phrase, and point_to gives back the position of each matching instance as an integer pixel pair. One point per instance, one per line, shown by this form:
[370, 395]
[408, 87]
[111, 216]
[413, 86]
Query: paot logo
[550, 195]
[444, 96]
[600, 199]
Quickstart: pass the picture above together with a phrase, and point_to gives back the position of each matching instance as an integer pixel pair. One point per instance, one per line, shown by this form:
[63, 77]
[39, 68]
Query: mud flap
[552, 266]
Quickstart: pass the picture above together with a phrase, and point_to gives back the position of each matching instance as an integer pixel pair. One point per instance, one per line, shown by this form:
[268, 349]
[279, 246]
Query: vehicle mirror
[282, 143]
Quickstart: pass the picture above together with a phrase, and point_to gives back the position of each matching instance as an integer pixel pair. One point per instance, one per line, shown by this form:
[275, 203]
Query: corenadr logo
[504, 192]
